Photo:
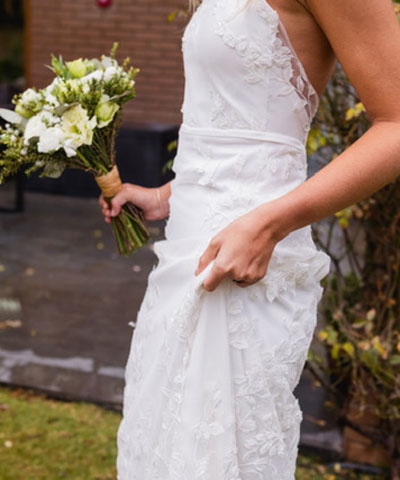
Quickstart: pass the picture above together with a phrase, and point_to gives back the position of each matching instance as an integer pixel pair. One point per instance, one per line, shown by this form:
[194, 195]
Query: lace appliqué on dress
[270, 57]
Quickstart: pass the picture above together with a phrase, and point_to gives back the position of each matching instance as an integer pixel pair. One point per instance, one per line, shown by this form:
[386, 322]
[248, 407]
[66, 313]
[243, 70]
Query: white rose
[38, 124]
[51, 140]
[77, 126]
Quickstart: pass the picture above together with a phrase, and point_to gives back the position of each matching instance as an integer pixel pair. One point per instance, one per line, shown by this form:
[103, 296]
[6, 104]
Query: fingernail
[196, 271]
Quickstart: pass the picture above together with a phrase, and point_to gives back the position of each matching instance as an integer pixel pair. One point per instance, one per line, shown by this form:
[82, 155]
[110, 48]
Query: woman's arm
[366, 40]
[365, 37]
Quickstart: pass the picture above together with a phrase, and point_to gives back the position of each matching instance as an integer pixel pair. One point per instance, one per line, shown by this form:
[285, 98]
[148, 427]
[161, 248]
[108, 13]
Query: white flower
[109, 73]
[52, 100]
[38, 124]
[29, 103]
[97, 75]
[30, 96]
[69, 147]
[77, 126]
[108, 62]
[50, 88]
[51, 140]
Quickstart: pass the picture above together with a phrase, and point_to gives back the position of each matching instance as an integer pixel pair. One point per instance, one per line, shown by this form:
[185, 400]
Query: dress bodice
[241, 71]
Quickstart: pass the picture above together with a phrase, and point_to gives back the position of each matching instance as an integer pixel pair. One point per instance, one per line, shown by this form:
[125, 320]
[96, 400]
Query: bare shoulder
[365, 37]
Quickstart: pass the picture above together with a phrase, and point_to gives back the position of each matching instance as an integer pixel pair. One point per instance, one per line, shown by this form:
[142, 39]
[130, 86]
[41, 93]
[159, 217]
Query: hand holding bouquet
[72, 123]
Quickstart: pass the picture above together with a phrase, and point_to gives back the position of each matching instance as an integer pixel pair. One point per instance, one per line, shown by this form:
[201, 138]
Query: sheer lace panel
[300, 78]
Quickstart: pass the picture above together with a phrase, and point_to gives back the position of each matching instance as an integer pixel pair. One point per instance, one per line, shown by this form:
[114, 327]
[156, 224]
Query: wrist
[273, 220]
[162, 195]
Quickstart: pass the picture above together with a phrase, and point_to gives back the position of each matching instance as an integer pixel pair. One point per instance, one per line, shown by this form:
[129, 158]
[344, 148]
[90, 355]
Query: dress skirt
[210, 375]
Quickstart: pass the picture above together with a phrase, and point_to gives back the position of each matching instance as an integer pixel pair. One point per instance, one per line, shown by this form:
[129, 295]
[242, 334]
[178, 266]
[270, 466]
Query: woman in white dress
[229, 311]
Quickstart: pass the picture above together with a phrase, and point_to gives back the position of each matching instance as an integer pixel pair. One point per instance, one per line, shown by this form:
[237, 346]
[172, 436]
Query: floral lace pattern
[210, 375]
[268, 65]
[246, 425]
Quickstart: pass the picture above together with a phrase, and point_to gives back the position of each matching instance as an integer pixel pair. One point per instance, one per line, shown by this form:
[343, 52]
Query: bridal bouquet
[72, 123]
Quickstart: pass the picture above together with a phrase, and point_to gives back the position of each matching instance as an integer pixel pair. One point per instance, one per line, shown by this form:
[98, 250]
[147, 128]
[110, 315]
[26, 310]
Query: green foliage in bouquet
[73, 123]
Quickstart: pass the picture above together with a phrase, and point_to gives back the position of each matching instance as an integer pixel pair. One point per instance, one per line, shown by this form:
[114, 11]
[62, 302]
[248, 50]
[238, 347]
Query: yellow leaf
[322, 335]
[376, 343]
[335, 350]
[172, 145]
[349, 348]
[355, 111]
[371, 314]
[315, 140]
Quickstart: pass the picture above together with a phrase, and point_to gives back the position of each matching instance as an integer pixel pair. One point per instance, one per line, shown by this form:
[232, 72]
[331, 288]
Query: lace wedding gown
[210, 375]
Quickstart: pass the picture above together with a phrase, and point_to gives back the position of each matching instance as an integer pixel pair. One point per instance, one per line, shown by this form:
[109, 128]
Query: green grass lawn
[46, 439]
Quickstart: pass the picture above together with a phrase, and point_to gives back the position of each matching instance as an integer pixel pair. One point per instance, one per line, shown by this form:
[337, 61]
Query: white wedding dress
[210, 376]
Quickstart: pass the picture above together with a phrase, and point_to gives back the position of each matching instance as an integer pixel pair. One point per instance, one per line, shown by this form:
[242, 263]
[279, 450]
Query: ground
[42, 438]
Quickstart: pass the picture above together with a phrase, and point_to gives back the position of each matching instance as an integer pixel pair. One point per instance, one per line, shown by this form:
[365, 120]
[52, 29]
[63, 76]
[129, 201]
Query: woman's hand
[241, 250]
[143, 197]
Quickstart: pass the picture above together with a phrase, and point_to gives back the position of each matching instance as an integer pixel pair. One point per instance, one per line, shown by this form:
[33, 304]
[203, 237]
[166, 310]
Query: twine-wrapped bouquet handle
[110, 183]
[130, 231]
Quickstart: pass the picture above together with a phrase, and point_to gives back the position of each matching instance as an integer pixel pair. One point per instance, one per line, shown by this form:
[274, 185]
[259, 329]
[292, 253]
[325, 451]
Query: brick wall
[79, 28]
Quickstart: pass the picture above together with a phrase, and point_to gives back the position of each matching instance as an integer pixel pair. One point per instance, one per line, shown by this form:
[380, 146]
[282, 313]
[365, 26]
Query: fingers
[215, 277]
[117, 201]
[114, 208]
[209, 253]
[243, 284]
[102, 202]
[105, 209]
[222, 268]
